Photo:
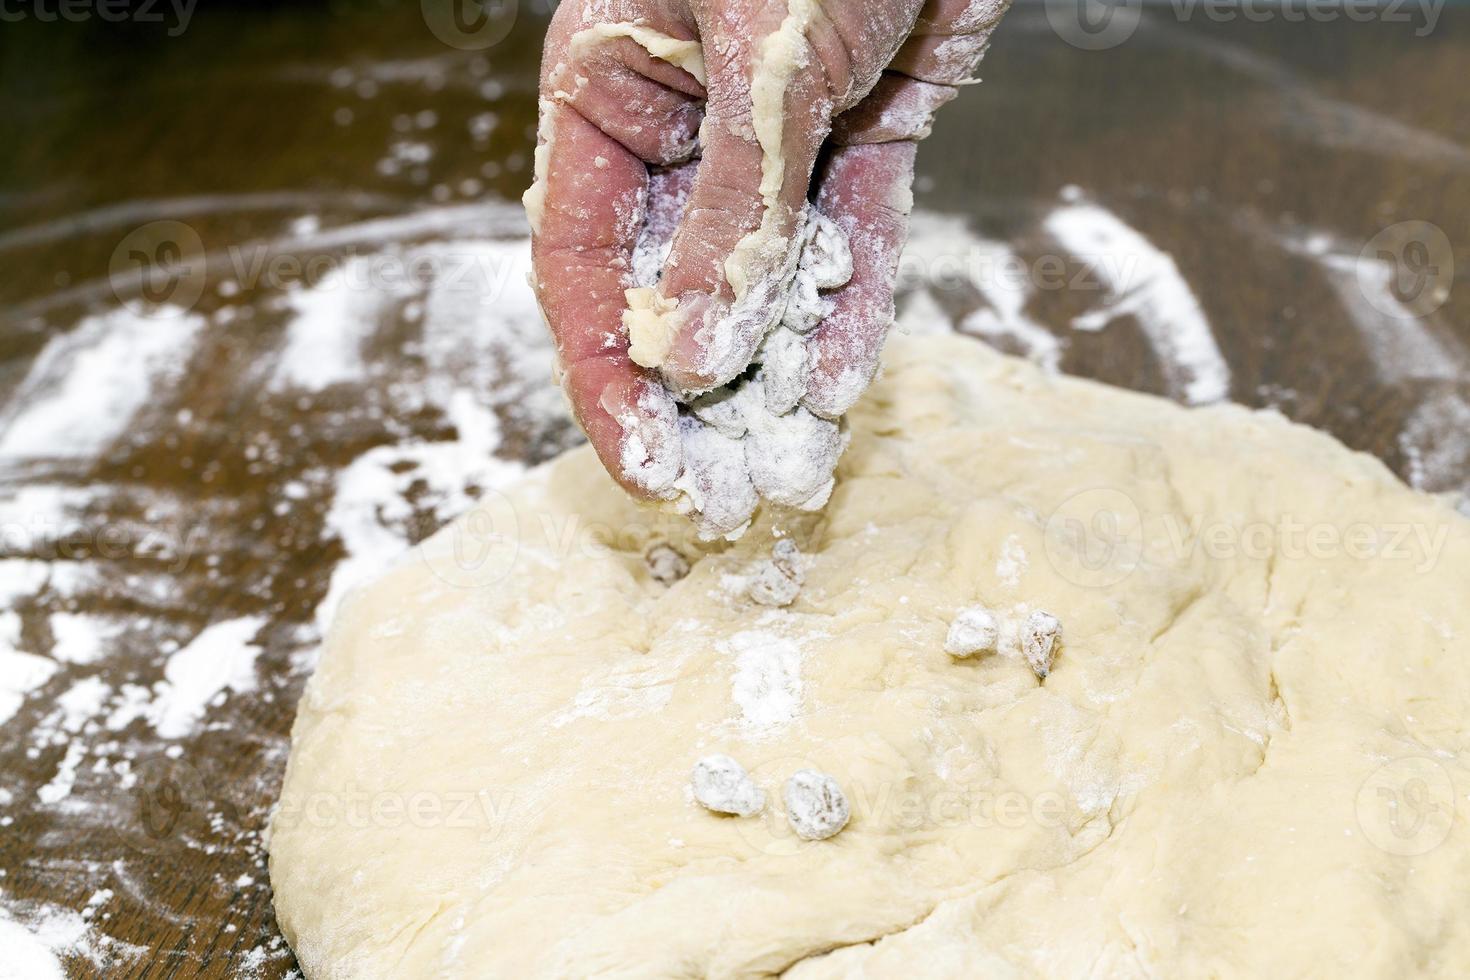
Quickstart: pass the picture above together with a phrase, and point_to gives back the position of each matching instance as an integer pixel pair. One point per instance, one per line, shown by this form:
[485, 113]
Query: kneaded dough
[1248, 760]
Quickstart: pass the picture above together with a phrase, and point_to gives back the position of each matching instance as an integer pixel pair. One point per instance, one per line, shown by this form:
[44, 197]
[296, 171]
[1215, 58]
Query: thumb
[768, 113]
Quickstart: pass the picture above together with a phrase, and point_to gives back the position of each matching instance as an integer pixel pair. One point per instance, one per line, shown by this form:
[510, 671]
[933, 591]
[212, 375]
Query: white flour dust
[943, 252]
[20, 673]
[84, 389]
[1403, 345]
[766, 686]
[332, 321]
[1146, 284]
[219, 660]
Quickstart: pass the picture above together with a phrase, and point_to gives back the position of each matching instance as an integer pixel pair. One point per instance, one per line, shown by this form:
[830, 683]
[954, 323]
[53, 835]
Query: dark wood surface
[1250, 153]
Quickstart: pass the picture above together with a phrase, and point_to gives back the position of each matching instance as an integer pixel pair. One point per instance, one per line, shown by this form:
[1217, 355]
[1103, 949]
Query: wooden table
[1257, 158]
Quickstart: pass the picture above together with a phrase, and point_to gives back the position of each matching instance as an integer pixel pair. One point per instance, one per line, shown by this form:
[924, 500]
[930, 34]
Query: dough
[652, 325]
[1248, 760]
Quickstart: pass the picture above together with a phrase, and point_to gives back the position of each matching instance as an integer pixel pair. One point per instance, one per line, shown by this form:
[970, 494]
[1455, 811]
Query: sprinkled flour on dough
[766, 686]
[1012, 562]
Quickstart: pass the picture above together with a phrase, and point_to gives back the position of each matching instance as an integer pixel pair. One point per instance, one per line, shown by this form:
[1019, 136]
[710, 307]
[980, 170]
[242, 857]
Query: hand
[631, 84]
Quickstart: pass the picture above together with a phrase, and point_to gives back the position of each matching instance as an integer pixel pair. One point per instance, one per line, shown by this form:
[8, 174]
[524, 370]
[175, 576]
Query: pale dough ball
[1249, 757]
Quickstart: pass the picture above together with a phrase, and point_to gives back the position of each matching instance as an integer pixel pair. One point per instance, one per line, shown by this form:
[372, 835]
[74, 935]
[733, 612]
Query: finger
[899, 108]
[585, 216]
[630, 420]
[651, 107]
[949, 40]
[942, 59]
[735, 250]
[866, 190]
[959, 16]
[613, 95]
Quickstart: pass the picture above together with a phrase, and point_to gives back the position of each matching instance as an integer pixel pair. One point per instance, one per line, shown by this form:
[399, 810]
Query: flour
[665, 564]
[973, 630]
[764, 444]
[1436, 442]
[476, 358]
[825, 263]
[1040, 634]
[28, 955]
[766, 686]
[943, 254]
[721, 784]
[331, 322]
[83, 391]
[1404, 345]
[20, 673]
[1146, 284]
[78, 705]
[487, 354]
[219, 659]
[649, 451]
[778, 580]
[60, 786]
[82, 638]
[816, 807]
[1011, 563]
[37, 942]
